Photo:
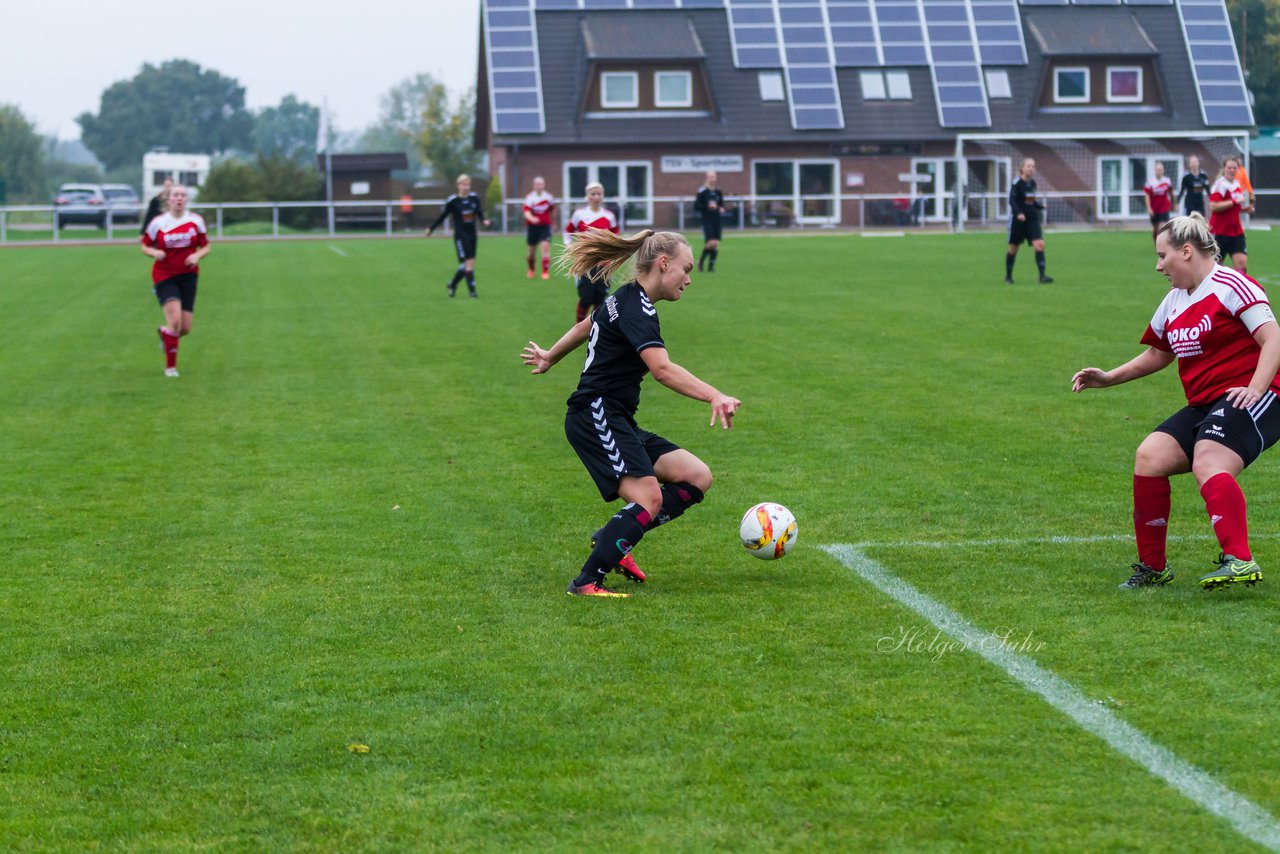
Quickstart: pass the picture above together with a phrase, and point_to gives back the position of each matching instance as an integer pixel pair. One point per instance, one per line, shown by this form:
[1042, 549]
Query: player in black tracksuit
[1024, 221]
[463, 210]
[710, 204]
[658, 479]
[1195, 186]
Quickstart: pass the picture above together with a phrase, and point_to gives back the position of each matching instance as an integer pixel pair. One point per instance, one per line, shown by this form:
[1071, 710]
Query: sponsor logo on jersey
[1186, 342]
[611, 306]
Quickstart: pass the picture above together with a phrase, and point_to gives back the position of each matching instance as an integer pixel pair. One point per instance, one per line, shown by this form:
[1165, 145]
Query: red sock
[529, 260]
[170, 348]
[1151, 518]
[1227, 513]
[546, 265]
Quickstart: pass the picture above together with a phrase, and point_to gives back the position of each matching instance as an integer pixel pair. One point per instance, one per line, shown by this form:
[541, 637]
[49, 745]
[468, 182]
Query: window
[998, 83]
[1124, 85]
[899, 85]
[805, 190]
[360, 188]
[189, 179]
[1071, 85]
[1121, 179]
[628, 188]
[672, 89]
[771, 86]
[872, 86]
[619, 90]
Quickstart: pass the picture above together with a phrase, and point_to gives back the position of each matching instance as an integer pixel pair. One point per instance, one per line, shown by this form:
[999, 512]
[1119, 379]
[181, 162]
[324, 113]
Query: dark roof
[640, 37]
[378, 161]
[1058, 35]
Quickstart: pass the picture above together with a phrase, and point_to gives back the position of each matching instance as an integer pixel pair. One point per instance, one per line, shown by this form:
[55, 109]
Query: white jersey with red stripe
[179, 237]
[1227, 222]
[1210, 329]
[585, 218]
[540, 205]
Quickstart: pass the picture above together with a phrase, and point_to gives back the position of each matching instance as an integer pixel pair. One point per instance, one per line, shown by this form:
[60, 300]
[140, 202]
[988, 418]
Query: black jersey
[1023, 199]
[703, 204]
[623, 326]
[1193, 188]
[463, 213]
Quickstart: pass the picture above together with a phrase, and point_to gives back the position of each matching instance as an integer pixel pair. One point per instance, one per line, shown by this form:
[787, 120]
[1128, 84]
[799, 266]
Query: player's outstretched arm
[542, 360]
[683, 382]
[1145, 363]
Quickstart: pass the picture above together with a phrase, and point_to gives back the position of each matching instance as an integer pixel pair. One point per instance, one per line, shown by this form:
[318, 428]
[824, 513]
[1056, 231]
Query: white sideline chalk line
[1249, 819]
[339, 251]
[1029, 541]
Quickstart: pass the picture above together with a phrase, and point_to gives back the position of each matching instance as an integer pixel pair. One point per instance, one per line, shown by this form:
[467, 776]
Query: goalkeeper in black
[464, 210]
[1024, 221]
[710, 205]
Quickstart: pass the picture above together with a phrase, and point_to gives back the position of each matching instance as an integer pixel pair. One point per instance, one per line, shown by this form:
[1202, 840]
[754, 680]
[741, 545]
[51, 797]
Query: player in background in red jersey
[539, 206]
[1228, 198]
[1159, 192]
[177, 240]
[1218, 325]
[592, 287]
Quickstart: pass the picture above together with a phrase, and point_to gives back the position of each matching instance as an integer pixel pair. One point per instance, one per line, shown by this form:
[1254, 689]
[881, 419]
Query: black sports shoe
[1145, 576]
[1008, 280]
[1046, 280]
[452, 289]
[1232, 570]
[473, 295]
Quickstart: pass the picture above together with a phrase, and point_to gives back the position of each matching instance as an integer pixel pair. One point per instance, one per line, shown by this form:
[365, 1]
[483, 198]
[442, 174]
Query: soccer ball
[768, 531]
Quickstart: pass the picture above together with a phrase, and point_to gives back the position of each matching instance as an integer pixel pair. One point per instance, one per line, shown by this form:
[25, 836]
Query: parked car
[123, 202]
[80, 203]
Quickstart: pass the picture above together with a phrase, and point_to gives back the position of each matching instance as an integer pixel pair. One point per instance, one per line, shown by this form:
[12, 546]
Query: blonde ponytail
[606, 253]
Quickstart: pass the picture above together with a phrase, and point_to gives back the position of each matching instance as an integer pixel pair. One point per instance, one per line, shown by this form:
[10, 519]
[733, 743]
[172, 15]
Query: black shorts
[466, 246]
[592, 290]
[535, 234]
[1160, 218]
[1230, 244]
[181, 287]
[1248, 432]
[1188, 208]
[612, 446]
[1024, 230]
[711, 228]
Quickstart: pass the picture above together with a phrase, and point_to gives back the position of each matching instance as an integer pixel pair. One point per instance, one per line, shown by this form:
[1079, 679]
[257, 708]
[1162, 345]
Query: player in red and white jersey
[177, 240]
[1220, 327]
[1159, 192]
[592, 287]
[1228, 198]
[539, 207]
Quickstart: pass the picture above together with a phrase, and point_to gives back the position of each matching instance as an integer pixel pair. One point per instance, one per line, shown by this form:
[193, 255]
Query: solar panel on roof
[1215, 63]
[901, 32]
[753, 29]
[808, 65]
[998, 32]
[515, 78]
[955, 66]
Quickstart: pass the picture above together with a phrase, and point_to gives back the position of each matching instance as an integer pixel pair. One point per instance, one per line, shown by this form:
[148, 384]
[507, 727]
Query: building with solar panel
[857, 112]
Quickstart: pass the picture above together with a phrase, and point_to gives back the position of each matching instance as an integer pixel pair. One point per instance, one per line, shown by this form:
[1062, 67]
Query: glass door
[933, 188]
[627, 188]
[817, 199]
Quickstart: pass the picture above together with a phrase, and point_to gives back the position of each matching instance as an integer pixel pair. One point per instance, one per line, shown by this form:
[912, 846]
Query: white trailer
[188, 169]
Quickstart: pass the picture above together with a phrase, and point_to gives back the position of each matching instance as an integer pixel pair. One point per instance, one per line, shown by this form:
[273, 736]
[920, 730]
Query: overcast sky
[56, 58]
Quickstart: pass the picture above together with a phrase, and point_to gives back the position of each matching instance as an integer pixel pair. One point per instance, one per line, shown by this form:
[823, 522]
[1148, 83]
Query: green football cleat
[1145, 576]
[1232, 570]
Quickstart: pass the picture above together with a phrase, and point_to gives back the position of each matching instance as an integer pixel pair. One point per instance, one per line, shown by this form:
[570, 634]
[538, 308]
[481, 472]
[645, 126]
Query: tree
[1256, 25]
[176, 104]
[268, 178]
[400, 120]
[22, 159]
[447, 132]
[287, 131]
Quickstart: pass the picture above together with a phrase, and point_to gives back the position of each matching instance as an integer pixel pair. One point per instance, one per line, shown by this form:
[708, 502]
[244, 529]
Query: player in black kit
[658, 479]
[1195, 184]
[463, 209]
[710, 204]
[1024, 221]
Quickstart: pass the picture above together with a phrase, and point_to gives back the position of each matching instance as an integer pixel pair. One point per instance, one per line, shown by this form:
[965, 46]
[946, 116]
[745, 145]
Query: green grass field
[351, 521]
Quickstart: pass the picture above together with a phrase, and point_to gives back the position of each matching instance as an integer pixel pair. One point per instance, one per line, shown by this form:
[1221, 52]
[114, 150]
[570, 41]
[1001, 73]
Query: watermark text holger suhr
[931, 641]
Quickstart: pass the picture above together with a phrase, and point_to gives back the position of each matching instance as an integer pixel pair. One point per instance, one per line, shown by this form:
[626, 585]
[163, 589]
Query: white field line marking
[1029, 541]
[1249, 819]
[339, 251]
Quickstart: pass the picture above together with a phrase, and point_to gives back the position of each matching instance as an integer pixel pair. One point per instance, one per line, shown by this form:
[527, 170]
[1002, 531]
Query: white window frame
[893, 79]
[797, 201]
[941, 200]
[1125, 99]
[1058, 97]
[876, 91]
[1136, 210]
[631, 104]
[998, 87]
[771, 86]
[686, 101]
[622, 199]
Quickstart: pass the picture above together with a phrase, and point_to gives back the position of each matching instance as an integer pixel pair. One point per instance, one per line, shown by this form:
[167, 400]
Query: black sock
[1008, 265]
[676, 498]
[457, 277]
[1040, 263]
[471, 281]
[712, 264]
[613, 542]
[703, 256]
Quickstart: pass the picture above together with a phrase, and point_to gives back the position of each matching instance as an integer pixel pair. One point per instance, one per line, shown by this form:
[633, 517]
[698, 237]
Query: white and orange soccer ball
[768, 531]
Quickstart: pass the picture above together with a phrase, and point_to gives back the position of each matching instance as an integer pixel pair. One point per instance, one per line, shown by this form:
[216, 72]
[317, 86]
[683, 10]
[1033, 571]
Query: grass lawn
[351, 521]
